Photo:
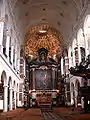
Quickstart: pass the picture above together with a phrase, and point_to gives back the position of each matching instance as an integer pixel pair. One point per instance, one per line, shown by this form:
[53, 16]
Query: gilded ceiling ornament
[48, 38]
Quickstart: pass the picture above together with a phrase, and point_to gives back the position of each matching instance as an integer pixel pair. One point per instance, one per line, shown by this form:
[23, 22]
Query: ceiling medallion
[43, 37]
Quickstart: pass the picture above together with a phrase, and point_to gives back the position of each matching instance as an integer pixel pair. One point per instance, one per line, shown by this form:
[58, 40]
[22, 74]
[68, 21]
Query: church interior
[44, 55]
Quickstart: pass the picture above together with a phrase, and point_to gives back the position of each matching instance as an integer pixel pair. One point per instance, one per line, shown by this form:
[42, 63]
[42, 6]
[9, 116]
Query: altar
[42, 77]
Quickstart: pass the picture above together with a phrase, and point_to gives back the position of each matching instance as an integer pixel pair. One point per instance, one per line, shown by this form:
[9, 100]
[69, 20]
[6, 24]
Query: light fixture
[42, 31]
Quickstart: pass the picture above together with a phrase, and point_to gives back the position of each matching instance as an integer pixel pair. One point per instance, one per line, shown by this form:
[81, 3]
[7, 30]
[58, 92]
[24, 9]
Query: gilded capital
[2, 20]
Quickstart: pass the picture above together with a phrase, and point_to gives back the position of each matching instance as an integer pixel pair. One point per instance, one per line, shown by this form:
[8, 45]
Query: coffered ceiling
[61, 14]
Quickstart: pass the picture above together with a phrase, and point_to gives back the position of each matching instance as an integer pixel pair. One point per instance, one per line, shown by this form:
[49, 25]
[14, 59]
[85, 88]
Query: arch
[17, 86]
[70, 51]
[77, 84]
[66, 53]
[14, 84]
[4, 78]
[2, 86]
[4, 90]
[72, 87]
[87, 32]
[80, 38]
[5, 33]
[10, 82]
[81, 45]
[74, 43]
[87, 24]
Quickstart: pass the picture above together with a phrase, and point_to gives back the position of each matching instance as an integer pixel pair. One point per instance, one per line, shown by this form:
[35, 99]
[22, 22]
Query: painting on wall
[43, 80]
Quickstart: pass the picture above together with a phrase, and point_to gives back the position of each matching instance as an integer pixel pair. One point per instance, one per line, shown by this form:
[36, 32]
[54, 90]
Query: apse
[44, 36]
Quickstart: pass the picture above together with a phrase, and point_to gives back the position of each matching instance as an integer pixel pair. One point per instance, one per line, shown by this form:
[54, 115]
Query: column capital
[14, 90]
[53, 69]
[33, 69]
[10, 88]
[5, 86]
[2, 20]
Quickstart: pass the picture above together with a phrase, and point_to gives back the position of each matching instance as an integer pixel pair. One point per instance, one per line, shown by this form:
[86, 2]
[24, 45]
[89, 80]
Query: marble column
[56, 79]
[66, 65]
[86, 45]
[76, 94]
[16, 60]
[74, 62]
[70, 58]
[62, 72]
[79, 54]
[33, 78]
[15, 99]
[72, 98]
[18, 65]
[11, 92]
[12, 49]
[53, 78]
[7, 46]
[18, 96]
[5, 104]
[1, 35]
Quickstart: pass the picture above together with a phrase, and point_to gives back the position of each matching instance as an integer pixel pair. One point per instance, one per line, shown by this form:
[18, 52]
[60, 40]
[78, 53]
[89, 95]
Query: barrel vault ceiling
[61, 14]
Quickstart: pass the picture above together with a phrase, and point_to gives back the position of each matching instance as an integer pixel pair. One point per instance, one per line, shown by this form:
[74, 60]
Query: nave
[32, 114]
[51, 116]
[61, 113]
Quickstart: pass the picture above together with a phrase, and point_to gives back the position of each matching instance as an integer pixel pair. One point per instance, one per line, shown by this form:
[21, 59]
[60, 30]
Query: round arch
[4, 91]
[10, 82]
[74, 43]
[80, 38]
[87, 32]
[4, 78]
[77, 84]
[87, 24]
[14, 85]
[2, 84]
[81, 45]
[17, 86]
[72, 87]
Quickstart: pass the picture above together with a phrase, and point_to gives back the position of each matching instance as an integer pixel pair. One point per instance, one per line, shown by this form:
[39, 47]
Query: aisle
[51, 116]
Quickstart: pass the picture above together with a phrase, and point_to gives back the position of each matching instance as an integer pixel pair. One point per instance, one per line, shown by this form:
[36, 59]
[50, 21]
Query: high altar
[42, 79]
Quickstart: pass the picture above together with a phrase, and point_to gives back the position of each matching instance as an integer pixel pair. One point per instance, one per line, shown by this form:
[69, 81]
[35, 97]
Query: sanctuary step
[45, 107]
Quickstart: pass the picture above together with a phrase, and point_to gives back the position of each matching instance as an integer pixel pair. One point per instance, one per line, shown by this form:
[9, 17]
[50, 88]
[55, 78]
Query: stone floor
[51, 116]
[37, 114]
